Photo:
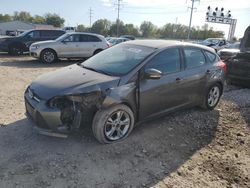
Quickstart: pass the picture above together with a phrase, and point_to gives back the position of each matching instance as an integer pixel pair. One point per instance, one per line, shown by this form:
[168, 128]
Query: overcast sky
[159, 12]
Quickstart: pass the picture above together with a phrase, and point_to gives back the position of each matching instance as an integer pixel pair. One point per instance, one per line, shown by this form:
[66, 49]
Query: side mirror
[153, 74]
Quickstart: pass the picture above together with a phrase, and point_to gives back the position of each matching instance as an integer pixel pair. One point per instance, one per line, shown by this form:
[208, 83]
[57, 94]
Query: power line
[191, 16]
[90, 17]
[118, 17]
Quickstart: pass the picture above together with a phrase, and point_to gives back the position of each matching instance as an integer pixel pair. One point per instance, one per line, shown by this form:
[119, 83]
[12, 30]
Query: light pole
[190, 21]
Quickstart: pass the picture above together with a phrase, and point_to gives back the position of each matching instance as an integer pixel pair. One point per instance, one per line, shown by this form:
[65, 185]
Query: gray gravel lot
[191, 148]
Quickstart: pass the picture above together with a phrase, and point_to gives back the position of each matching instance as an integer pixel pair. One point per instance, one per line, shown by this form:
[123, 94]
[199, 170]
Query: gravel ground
[191, 148]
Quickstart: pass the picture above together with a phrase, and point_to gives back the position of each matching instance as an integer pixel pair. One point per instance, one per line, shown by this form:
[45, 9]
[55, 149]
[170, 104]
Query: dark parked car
[20, 44]
[230, 51]
[123, 85]
[239, 65]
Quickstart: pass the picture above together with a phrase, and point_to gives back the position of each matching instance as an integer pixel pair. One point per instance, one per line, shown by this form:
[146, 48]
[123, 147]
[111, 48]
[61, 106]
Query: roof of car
[166, 43]
[85, 33]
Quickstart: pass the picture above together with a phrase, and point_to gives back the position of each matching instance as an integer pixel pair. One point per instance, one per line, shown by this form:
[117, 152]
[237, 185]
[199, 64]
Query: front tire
[212, 97]
[97, 51]
[48, 56]
[113, 124]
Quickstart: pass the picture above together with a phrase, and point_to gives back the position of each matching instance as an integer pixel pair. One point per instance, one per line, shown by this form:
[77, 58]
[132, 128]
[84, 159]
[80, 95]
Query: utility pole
[190, 21]
[118, 17]
[90, 17]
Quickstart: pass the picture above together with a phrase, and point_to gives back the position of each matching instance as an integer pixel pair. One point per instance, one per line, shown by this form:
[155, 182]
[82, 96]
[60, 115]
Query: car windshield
[24, 33]
[211, 41]
[118, 60]
[62, 37]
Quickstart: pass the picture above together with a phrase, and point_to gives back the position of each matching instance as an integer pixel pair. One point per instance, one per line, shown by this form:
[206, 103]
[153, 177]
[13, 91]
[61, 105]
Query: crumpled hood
[71, 80]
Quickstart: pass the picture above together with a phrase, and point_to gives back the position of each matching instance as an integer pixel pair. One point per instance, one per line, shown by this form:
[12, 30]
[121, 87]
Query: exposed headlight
[34, 47]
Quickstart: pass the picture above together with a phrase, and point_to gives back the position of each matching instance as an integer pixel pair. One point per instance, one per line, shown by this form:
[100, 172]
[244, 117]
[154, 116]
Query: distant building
[19, 26]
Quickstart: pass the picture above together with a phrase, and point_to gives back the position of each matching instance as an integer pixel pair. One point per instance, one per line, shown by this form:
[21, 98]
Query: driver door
[70, 46]
[165, 93]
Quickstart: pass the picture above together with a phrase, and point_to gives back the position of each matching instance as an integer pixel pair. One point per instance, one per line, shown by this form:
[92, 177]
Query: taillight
[222, 65]
[108, 44]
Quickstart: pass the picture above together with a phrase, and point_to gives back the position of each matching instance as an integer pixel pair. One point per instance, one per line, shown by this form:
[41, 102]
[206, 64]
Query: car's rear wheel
[113, 124]
[212, 97]
[48, 56]
[97, 51]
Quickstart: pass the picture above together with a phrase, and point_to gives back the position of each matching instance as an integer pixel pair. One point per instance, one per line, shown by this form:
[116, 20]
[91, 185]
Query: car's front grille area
[33, 95]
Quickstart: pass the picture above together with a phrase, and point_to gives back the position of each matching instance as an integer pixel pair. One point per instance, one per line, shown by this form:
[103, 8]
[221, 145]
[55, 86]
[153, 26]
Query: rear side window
[211, 57]
[51, 33]
[94, 39]
[194, 58]
[84, 38]
[167, 61]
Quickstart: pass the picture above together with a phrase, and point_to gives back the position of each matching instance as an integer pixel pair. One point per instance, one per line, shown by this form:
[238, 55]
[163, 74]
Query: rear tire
[48, 56]
[212, 97]
[97, 51]
[113, 124]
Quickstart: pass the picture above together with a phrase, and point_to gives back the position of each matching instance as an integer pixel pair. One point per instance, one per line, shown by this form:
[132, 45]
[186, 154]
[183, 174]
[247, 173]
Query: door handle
[208, 71]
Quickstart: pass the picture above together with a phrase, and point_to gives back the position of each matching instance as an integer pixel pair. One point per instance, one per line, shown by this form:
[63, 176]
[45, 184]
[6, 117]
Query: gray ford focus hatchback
[123, 85]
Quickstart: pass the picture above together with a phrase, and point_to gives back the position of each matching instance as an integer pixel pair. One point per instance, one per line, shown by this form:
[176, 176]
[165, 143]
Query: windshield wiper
[96, 70]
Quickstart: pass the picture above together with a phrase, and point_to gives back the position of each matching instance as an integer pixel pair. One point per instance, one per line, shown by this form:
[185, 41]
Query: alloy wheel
[117, 125]
[213, 96]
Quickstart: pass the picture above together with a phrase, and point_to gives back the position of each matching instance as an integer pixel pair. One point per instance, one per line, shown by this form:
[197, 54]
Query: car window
[194, 57]
[93, 39]
[34, 34]
[72, 38]
[167, 61]
[84, 38]
[210, 56]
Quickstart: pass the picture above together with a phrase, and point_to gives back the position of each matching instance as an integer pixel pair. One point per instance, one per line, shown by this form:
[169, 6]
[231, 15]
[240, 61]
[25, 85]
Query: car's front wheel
[16, 50]
[113, 124]
[48, 56]
[212, 97]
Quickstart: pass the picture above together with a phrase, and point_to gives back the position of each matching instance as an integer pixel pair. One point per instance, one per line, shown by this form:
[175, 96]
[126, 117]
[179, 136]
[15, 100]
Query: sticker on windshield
[135, 50]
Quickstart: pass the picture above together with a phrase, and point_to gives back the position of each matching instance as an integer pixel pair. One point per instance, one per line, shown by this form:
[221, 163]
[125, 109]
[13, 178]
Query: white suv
[69, 45]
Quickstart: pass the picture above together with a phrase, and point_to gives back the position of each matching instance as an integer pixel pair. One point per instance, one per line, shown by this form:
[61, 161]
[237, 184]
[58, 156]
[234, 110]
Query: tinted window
[167, 61]
[72, 38]
[84, 38]
[34, 34]
[94, 39]
[194, 57]
[211, 57]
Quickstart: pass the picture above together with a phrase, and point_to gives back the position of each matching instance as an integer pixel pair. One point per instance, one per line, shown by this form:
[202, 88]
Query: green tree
[130, 29]
[39, 19]
[22, 16]
[113, 28]
[5, 18]
[54, 19]
[148, 29]
[101, 26]
[82, 28]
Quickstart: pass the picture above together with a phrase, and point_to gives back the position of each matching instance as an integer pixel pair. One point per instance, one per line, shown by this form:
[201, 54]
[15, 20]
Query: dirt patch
[191, 148]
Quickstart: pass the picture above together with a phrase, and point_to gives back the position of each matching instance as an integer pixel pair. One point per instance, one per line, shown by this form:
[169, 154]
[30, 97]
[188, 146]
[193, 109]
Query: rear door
[166, 92]
[197, 70]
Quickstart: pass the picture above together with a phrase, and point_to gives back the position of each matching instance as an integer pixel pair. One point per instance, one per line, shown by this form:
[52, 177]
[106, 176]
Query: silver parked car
[69, 45]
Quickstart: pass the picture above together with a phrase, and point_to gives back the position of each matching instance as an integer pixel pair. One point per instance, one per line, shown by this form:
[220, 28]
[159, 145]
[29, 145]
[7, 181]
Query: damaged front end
[76, 110]
[63, 114]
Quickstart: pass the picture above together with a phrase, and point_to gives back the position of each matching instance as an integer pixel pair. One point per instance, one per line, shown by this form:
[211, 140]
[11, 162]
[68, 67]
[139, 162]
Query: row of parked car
[50, 45]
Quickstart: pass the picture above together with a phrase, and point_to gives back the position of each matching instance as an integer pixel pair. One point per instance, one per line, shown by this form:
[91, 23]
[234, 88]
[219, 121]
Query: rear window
[211, 57]
[194, 57]
[94, 39]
